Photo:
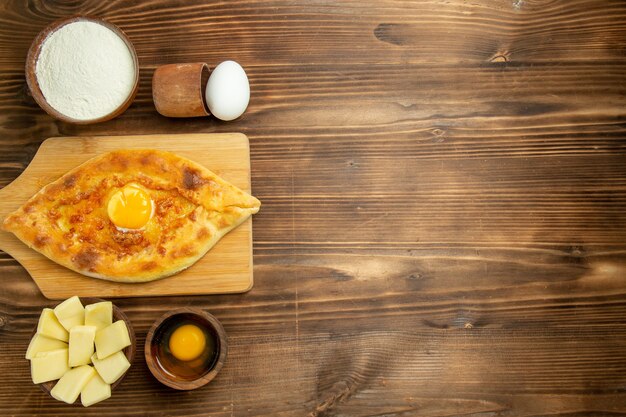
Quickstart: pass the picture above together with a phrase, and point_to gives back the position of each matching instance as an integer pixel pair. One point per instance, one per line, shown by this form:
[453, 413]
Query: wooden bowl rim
[129, 351]
[163, 377]
[33, 55]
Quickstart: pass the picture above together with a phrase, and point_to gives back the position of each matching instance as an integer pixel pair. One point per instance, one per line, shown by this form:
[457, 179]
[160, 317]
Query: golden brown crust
[67, 220]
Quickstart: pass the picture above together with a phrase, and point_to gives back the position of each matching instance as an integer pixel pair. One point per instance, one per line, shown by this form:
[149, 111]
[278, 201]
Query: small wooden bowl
[167, 378]
[31, 64]
[129, 351]
[178, 89]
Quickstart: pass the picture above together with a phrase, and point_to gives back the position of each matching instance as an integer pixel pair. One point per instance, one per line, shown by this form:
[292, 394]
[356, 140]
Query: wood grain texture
[226, 268]
[444, 221]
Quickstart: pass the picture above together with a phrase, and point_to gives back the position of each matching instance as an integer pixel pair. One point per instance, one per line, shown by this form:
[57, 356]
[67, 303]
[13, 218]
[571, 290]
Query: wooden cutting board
[227, 268]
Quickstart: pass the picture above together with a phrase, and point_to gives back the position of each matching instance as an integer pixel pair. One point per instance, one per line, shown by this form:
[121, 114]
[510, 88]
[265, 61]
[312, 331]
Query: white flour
[85, 70]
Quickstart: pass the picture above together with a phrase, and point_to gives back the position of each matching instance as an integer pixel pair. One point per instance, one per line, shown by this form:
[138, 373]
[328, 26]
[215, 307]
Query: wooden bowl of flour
[86, 74]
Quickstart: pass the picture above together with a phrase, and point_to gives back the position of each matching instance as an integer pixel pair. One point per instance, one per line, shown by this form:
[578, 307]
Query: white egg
[228, 91]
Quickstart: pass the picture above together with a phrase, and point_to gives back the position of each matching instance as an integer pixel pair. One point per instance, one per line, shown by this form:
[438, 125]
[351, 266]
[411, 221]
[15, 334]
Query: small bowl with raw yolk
[186, 348]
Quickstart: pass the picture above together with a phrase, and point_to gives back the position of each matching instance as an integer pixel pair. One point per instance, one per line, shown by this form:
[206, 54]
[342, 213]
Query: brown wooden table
[444, 220]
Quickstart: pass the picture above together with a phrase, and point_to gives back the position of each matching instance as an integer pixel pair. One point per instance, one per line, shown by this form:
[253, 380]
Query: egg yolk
[130, 207]
[187, 342]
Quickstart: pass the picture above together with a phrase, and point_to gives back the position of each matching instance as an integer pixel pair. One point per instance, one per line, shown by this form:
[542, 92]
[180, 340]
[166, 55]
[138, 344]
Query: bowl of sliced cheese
[82, 347]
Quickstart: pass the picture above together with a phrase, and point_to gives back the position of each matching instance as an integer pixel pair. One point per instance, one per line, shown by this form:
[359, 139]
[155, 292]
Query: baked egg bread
[131, 215]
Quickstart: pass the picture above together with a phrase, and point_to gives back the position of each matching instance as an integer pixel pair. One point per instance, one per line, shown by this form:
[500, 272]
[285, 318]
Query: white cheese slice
[95, 391]
[49, 366]
[72, 383]
[70, 313]
[99, 314]
[112, 367]
[41, 343]
[81, 345]
[50, 326]
[112, 339]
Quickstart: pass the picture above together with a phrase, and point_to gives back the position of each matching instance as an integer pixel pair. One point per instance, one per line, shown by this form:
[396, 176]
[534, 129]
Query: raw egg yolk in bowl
[187, 342]
[185, 346]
